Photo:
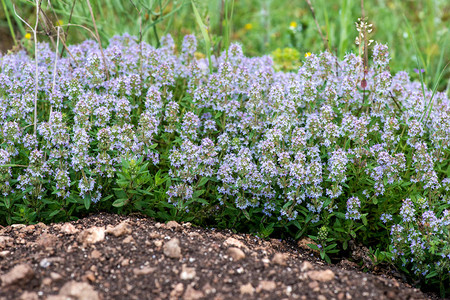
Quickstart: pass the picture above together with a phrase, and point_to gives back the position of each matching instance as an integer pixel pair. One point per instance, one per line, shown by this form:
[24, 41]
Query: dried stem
[54, 71]
[67, 31]
[324, 39]
[98, 39]
[36, 75]
[366, 59]
[140, 39]
[38, 4]
[46, 27]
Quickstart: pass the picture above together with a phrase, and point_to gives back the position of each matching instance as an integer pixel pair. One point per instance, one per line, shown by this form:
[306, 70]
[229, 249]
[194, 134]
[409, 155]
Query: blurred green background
[417, 32]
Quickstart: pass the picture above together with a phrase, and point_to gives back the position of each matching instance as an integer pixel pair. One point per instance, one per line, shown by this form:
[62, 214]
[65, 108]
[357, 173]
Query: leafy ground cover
[336, 147]
[339, 151]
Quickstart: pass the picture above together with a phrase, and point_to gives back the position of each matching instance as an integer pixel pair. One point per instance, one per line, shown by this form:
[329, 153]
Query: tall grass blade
[204, 34]
[8, 19]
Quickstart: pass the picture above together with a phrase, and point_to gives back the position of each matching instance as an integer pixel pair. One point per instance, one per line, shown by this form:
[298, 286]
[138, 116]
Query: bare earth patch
[108, 256]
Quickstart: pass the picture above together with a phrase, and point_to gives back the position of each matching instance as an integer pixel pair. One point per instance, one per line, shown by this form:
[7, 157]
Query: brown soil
[108, 256]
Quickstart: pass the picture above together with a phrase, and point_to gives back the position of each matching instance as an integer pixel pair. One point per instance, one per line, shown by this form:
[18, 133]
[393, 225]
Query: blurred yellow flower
[27, 36]
[307, 54]
[248, 26]
[59, 23]
[293, 25]
[199, 55]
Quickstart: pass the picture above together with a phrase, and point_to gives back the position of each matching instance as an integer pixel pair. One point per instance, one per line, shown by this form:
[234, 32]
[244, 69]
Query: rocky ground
[116, 257]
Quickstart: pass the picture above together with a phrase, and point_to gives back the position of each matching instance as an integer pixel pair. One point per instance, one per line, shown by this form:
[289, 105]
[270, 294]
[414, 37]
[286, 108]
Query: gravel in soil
[108, 256]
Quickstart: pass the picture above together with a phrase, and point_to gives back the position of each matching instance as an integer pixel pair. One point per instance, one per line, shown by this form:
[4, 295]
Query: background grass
[262, 26]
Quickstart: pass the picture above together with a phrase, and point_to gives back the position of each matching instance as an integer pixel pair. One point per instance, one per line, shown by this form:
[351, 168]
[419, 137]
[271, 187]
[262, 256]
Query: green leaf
[200, 200]
[431, 274]
[106, 198]
[203, 181]
[339, 215]
[326, 202]
[125, 163]
[266, 231]
[144, 169]
[198, 193]
[218, 115]
[165, 204]
[364, 219]
[287, 204]
[54, 213]
[296, 224]
[163, 215]
[158, 179]
[87, 201]
[120, 193]
[313, 246]
[145, 192]
[246, 214]
[359, 227]
[329, 247]
[120, 202]
[406, 183]
[134, 192]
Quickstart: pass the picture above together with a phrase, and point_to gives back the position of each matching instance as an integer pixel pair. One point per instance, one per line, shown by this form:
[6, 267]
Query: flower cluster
[303, 149]
[420, 238]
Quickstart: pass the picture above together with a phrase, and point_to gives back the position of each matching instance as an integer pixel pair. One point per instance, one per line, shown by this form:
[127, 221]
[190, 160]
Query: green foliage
[133, 184]
[287, 59]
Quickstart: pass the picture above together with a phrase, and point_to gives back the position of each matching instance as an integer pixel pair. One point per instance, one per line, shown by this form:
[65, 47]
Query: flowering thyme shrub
[305, 153]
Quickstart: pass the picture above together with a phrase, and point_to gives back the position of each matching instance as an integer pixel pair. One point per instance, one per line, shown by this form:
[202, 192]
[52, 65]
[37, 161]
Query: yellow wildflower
[248, 26]
[59, 23]
[27, 36]
[293, 25]
[307, 54]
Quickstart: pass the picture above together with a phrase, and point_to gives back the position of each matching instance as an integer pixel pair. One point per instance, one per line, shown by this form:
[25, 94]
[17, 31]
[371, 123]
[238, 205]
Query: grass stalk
[344, 14]
[8, 19]
[429, 106]
[205, 36]
[324, 39]
[228, 19]
[36, 75]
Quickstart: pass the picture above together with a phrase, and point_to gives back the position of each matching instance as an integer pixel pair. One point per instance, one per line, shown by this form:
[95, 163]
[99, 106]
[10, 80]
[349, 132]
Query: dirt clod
[18, 275]
[279, 259]
[92, 235]
[172, 248]
[322, 276]
[236, 253]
